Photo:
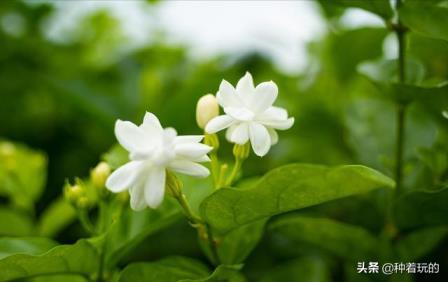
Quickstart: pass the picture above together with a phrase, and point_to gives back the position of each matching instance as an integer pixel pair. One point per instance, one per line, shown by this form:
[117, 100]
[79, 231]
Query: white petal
[151, 123]
[229, 131]
[280, 124]
[130, 136]
[265, 95]
[202, 159]
[189, 168]
[192, 150]
[155, 187]
[226, 95]
[274, 136]
[245, 85]
[273, 113]
[124, 177]
[239, 113]
[259, 138]
[241, 134]
[218, 123]
[137, 194]
[188, 139]
[169, 134]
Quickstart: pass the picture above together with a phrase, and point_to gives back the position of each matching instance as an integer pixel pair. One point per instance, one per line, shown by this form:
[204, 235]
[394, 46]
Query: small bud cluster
[76, 194]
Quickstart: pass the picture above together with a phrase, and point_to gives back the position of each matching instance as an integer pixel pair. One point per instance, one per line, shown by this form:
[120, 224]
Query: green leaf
[386, 71]
[80, 258]
[22, 173]
[59, 278]
[116, 156]
[30, 246]
[239, 243]
[134, 227]
[288, 188]
[171, 269]
[344, 240]
[422, 208]
[419, 243]
[14, 223]
[228, 273]
[56, 217]
[433, 22]
[384, 75]
[306, 269]
[381, 8]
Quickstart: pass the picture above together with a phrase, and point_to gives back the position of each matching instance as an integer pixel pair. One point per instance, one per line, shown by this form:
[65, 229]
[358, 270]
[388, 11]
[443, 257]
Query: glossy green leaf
[422, 208]
[288, 188]
[228, 273]
[238, 244]
[80, 258]
[134, 227]
[425, 18]
[14, 223]
[419, 243]
[56, 217]
[27, 245]
[344, 240]
[306, 269]
[171, 269]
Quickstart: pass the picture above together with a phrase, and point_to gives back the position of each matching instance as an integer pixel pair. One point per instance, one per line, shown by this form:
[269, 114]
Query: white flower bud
[99, 174]
[206, 109]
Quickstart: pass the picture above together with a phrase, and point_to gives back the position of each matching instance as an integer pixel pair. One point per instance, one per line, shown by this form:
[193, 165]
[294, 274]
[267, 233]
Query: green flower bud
[206, 109]
[173, 185]
[212, 140]
[76, 194]
[241, 152]
[83, 202]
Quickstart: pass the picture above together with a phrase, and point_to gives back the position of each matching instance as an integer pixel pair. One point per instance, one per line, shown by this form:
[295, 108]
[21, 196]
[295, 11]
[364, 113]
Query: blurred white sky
[279, 29]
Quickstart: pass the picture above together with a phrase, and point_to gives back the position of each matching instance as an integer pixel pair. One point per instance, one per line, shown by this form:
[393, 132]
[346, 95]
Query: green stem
[235, 170]
[401, 108]
[84, 219]
[215, 168]
[195, 220]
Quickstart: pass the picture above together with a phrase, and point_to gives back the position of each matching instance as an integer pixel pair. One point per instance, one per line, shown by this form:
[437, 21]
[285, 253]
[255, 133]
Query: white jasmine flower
[249, 114]
[152, 150]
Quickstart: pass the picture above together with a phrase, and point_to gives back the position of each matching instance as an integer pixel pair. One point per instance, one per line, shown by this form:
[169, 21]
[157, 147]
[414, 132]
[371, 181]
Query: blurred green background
[63, 98]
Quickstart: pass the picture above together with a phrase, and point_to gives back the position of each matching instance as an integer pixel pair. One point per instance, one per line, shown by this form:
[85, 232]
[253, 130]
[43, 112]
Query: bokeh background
[69, 69]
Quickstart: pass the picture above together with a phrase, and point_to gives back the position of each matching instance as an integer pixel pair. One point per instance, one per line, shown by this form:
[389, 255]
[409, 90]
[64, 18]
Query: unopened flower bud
[99, 174]
[76, 194]
[206, 109]
[212, 140]
[241, 152]
[173, 185]
[83, 202]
